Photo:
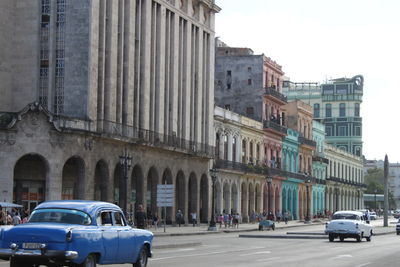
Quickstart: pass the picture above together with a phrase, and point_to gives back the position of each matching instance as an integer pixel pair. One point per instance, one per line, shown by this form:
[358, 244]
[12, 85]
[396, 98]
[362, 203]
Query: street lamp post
[213, 225]
[269, 182]
[307, 219]
[126, 161]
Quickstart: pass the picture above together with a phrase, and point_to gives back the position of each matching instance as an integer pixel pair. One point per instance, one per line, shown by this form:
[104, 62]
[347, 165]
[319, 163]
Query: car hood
[37, 232]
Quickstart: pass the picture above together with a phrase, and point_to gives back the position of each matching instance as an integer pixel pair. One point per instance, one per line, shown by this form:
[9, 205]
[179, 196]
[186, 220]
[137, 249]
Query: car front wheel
[142, 260]
[90, 261]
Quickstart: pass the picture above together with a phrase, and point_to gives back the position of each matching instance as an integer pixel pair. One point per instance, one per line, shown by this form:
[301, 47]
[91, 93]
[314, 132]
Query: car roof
[87, 206]
[359, 213]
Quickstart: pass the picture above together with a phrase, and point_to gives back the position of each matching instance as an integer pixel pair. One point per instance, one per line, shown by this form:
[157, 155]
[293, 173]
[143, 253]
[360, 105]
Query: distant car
[396, 215]
[348, 224]
[75, 233]
[266, 224]
[398, 228]
[372, 215]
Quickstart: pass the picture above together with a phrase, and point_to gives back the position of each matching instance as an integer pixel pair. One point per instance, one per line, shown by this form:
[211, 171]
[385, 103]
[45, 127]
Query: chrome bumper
[58, 254]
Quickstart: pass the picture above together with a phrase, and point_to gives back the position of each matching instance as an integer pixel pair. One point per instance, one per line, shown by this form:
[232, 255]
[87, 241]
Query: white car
[348, 224]
[372, 215]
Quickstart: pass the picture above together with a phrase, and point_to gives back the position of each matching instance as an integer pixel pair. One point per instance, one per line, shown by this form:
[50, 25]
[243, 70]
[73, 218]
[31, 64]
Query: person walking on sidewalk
[286, 216]
[140, 217]
[194, 218]
[179, 217]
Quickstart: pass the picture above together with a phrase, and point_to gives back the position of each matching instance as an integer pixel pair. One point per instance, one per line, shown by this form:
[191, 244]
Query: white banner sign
[165, 195]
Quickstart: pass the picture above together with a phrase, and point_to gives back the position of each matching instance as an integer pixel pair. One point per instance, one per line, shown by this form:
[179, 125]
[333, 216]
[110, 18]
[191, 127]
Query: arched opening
[204, 198]
[136, 195]
[151, 191]
[180, 191]
[277, 201]
[218, 198]
[73, 179]
[226, 198]
[101, 181]
[166, 179]
[243, 203]
[192, 205]
[234, 199]
[30, 173]
[258, 198]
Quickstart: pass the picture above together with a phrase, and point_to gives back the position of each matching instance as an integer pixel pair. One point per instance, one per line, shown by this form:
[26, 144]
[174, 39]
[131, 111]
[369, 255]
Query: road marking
[201, 254]
[343, 256]
[268, 259]
[255, 253]
[364, 264]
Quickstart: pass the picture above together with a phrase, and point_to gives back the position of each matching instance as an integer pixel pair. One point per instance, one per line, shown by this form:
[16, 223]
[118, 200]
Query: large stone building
[82, 81]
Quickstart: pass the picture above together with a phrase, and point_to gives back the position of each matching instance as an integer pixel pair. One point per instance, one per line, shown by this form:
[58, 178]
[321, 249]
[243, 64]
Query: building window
[228, 79]
[358, 151]
[316, 110]
[249, 82]
[342, 110]
[249, 111]
[342, 131]
[225, 147]
[234, 148]
[228, 107]
[328, 110]
[217, 141]
[249, 69]
[44, 53]
[60, 58]
[357, 110]
[328, 130]
[357, 131]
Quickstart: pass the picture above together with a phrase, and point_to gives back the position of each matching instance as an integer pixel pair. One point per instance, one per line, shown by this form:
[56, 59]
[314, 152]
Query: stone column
[238, 149]
[54, 179]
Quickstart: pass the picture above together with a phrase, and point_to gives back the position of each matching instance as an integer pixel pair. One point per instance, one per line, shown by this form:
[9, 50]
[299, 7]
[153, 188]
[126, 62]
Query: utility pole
[386, 192]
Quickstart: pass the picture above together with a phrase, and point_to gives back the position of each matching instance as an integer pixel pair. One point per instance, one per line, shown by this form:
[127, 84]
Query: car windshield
[345, 216]
[68, 216]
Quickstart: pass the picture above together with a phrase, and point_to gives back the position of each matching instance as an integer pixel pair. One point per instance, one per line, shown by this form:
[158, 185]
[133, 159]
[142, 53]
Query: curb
[230, 231]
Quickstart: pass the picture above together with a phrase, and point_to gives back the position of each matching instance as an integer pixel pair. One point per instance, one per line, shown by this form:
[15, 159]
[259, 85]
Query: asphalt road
[230, 250]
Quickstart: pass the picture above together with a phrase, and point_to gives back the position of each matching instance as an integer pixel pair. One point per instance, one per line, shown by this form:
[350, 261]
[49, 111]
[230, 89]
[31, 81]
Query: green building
[337, 105]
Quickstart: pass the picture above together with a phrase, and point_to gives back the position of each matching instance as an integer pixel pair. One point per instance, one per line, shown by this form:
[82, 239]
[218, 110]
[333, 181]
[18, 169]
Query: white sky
[315, 40]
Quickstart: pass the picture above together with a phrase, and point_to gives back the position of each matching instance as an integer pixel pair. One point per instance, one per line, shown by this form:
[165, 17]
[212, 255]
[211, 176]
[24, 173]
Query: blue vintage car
[75, 233]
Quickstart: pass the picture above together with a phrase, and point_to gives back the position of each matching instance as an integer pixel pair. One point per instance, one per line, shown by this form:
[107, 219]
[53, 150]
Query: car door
[109, 236]
[127, 245]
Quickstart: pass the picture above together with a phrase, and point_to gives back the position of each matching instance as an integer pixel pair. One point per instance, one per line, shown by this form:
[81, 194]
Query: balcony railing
[273, 92]
[305, 141]
[147, 137]
[347, 182]
[275, 126]
[232, 165]
[320, 159]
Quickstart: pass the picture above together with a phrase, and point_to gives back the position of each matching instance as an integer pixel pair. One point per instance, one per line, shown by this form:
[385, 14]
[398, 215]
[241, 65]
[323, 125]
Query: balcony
[271, 91]
[346, 182]
[237, 166]
[275, 126]
[305, 141]
[320, 159]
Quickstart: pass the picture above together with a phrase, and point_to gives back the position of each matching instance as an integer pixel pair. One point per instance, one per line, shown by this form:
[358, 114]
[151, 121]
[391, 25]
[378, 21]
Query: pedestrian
[16, 219]
[155, 220]
[9, 219]
[237, 219]
[226, 220]
[286, 216]
[140, 217]
[278, 216]
[194, 218]
[25, 216]
[179, 217]
[2, 216]
[220, 220]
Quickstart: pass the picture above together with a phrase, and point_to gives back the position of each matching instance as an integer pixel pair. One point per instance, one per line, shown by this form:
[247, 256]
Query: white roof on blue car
[84, 205]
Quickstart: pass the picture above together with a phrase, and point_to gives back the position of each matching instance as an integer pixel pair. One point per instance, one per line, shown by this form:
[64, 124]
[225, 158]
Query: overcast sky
[315, 40]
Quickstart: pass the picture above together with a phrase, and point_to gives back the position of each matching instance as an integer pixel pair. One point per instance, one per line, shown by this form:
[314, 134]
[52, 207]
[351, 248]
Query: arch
[204, 198]
[234, 198]
[151, 190]
[218, 198]
[180, 191]
[73, 179]
[193, 194]
[277, 201]
[166, 179]
[101, 177]
[258, 198]
[30, 179]
[136, 194]
[251, 202]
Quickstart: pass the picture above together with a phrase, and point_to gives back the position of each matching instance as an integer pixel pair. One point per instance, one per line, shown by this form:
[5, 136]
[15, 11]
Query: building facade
[85, 81]
[345, 180]
[337, 104]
